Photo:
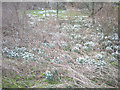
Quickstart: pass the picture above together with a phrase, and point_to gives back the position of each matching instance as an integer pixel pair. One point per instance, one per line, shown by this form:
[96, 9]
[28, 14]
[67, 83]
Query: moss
[42, 86]
[54, 82]
[114, 64]
[18, 81]
[10, 83]
[96, 80]
[61, 14]
[57, 81]
[110, 83]
[69, 79]
[67, 48]
[67, 86]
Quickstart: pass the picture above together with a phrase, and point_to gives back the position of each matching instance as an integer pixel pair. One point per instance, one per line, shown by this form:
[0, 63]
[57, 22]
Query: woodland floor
[69, 52]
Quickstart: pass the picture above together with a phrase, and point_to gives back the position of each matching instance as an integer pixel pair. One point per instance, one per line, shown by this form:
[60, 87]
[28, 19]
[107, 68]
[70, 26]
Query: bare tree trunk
[119, 22]
[99, 8]
[16, 10]
[87, 5]
[119, 44]
[45, 12]
[57, 9]
[93, 18]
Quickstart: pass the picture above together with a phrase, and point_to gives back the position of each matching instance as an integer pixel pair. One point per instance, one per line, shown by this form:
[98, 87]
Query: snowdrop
[99, 56]
[78, 36]
[115, 36]
[116, 47]
[114, 53]
[63, 43]
[20, 53]
[78, 45]
[91, 44]
[101, 36]
[5, 50]
[109, 48]
[86, 48]
[101, 63]
[80, 60]
[87, 60]
[107, 43]
[49, 75]
[76, 49]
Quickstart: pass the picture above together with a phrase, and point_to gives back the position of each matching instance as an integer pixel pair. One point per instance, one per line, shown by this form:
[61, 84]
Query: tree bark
[57, 9]
[119, 44]
[99, 9]
[93, 18]
[45, 12]
[119, 21]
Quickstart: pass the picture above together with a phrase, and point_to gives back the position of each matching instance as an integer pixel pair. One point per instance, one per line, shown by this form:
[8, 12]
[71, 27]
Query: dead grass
[82, 75]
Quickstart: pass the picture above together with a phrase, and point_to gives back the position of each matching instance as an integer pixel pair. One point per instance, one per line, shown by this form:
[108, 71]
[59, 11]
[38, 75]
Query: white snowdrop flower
[79, 45]
[115, 36]
[113, 54]
[47, 72]
[78, 36]
[63, 43]
[76, 48]
[102, 63]
[118, 53]
[106, 37]
[92, 44]
[101, 36]
[85, 48]
[108, 48]
[99, 56]
[5, 50]
[116, 47]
